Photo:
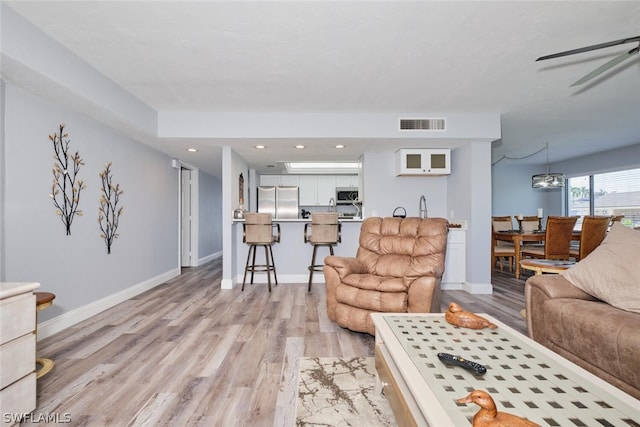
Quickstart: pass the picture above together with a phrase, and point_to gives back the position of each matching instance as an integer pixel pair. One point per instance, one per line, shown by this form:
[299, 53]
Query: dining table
[518, 237]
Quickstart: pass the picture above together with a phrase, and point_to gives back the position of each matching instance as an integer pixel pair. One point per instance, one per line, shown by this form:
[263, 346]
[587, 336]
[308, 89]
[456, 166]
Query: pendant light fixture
[549, 179]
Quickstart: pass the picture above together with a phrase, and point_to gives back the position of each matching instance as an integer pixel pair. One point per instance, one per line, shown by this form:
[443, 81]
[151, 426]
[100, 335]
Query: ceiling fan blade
[589, 48]
[601, 69]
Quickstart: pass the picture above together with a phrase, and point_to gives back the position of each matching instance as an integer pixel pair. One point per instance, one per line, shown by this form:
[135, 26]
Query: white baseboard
[208, 258]
[70, 318]
[478, 288]
[226, 284]
[472, 288]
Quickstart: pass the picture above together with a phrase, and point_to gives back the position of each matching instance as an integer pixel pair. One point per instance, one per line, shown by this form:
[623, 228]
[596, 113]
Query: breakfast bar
[292, 256]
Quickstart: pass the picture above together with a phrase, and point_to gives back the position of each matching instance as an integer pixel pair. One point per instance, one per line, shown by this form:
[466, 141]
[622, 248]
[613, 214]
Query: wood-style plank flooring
[189, 353]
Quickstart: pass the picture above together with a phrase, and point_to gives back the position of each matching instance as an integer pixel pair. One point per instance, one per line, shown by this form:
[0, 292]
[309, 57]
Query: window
[612, 194]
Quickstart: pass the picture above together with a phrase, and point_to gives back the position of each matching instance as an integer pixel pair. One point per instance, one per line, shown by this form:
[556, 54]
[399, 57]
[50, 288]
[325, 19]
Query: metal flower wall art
[109, 212]
[66, 187]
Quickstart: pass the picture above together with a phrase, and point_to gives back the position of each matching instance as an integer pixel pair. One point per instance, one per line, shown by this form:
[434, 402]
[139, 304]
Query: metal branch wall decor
[109, 212]
[66, 187]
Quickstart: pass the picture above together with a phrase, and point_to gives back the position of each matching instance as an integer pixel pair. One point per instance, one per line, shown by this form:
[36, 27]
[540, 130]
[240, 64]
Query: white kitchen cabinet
[270, 180]
[290, 180]
[17, 348]
[455, 263]
[326, 189]
[308, 190]
[316, 190]
[347, 181]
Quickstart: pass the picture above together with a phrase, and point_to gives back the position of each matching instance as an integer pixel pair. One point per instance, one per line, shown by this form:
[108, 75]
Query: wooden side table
[540, 266]
[43, 300]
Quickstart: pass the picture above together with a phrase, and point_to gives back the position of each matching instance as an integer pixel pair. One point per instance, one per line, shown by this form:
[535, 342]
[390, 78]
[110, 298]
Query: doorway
[188, 217]
[185, 217]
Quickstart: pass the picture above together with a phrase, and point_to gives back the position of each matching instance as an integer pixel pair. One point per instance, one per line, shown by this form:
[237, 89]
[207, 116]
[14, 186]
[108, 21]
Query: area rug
[336, 391]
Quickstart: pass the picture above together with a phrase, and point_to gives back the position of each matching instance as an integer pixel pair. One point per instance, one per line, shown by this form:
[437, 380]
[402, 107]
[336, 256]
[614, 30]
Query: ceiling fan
[601, 69]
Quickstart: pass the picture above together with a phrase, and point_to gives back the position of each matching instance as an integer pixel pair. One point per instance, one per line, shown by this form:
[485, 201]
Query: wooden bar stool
[43, 300]
[258, 230]
[324, 230]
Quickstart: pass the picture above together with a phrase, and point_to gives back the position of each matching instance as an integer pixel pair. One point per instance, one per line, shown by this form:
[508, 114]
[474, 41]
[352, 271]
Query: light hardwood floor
[189, 353]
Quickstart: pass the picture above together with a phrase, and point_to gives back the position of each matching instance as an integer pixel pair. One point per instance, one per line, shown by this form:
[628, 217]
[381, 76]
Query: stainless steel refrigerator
[281, 202]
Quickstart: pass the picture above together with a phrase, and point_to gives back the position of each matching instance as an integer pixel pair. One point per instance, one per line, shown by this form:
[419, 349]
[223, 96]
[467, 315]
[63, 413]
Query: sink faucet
[332, 205]
[423, 207]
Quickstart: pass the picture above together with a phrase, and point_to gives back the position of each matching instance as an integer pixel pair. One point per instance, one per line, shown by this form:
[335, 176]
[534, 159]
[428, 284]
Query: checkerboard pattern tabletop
[521, 379]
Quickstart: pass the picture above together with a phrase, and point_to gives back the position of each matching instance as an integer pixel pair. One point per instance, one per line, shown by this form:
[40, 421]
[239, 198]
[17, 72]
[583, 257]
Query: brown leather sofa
[398, 268]
[602, 339]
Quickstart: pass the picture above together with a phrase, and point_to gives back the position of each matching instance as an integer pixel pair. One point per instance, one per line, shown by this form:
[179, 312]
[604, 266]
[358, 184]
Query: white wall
[607, 161]
[194, 124]
[33, 60]
[470, 197]
[3, 167]
[77, 268]
[467, 191]
[384, 191]
[511, 182]
[232, 166]
[512, 192]
[33, 244]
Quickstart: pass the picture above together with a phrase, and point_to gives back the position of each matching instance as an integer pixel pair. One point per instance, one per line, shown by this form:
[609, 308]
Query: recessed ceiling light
[192, 150]
[299, 146]
[339, 146]
[260, 147]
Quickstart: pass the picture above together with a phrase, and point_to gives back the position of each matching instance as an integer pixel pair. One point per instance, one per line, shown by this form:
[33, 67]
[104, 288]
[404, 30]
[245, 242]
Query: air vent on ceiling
[423, 124]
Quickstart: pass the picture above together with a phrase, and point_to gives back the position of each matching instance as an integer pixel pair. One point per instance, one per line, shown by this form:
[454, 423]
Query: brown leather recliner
[398, 268]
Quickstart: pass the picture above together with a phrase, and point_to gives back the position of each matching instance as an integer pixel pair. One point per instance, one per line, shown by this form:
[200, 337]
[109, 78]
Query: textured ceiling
[364, 57]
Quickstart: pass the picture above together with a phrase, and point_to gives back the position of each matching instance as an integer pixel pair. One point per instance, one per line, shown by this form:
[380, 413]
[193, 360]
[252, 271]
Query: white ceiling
[365, 57]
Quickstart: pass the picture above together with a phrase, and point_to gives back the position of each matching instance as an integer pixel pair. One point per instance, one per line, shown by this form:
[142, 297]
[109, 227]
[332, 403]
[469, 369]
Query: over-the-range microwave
[346, 195]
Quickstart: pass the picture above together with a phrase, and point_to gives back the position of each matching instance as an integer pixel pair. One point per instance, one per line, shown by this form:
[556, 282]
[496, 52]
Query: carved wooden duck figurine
[465, 319]
[488, 415]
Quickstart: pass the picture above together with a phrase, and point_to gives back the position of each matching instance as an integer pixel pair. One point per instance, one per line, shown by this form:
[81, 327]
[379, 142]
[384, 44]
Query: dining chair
[501, 249]
[557, 239]
[529, 223]
[615, 218]
[594, 230]
[258, 230]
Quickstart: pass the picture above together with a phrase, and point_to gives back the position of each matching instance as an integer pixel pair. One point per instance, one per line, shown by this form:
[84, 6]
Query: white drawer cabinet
[455, 263]
[21, 351]
[17, 348]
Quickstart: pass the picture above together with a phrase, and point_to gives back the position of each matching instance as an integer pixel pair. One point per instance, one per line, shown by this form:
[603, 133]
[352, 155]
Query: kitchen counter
[292, 255]
[303, 220]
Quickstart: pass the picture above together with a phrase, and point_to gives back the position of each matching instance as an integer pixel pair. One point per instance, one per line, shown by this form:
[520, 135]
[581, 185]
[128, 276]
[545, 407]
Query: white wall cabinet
[347, 181]
[270, 180]
[414, 161]
[316, 190]
[290, 180]
[455, 263]
[326, 189]
[308, 190]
